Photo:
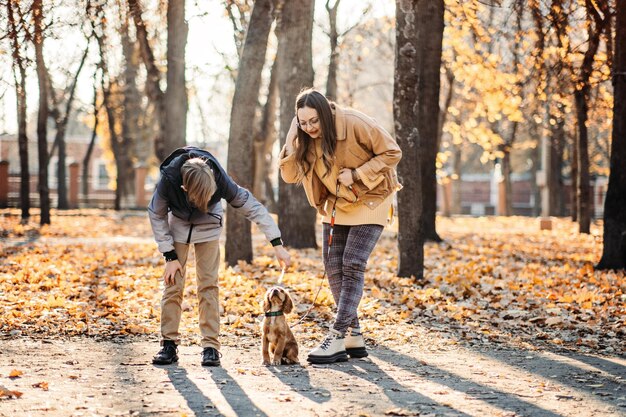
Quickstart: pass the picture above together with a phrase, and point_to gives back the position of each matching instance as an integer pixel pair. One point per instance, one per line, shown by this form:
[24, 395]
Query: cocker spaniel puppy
[279, 345]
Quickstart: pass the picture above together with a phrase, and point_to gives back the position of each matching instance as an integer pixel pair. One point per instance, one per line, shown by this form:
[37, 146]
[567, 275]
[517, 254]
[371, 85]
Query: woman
[186, 209]
[346, 163]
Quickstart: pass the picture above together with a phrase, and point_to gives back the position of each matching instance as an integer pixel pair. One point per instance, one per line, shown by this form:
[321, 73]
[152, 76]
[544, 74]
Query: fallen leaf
[42, 385]
[7, 393]
[15, 373]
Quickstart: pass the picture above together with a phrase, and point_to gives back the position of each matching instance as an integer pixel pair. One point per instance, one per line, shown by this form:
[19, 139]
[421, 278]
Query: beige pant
[207, 266]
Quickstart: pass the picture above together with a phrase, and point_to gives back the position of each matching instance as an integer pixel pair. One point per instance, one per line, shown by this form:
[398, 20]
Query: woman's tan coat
[362, 144]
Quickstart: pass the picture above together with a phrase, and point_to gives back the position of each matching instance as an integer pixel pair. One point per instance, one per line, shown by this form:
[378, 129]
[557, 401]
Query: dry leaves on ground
[7, 393]
[493, 280]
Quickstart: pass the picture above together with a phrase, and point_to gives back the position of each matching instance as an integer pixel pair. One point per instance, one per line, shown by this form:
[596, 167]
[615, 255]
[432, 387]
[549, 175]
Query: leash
[330, 241]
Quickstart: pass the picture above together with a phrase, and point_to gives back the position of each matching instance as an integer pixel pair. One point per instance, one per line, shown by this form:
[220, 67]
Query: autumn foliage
[494, 280]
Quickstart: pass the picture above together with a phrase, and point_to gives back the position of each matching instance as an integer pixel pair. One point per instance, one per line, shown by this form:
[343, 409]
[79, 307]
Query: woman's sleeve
[287, 158]
[386, 152]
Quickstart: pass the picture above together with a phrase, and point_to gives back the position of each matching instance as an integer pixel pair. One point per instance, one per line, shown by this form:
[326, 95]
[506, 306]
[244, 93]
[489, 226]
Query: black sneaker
[167, 355]
[210, 357]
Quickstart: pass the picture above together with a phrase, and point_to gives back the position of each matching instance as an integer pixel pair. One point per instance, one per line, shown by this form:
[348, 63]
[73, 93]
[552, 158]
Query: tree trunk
[574, 187]
[519, 92]
[457, 182]
[581, 96]
[42, 115]
[450, 203]
[555, 159]
[124, 151]
[331, 80]
[61, 121]
[242, 123]
[443, 113]
[106, 85]
[264, 142]
[176, 93]
[62, 203]
[419, 36]
[172, 105]
[92, 141]
[22, 139]
[540, 159]
[153, 79]
[535, 192]
[111, 120]
[582, 145]
[296, 218]
[430, 27]
[19, 74]
[507, 169]
[406, 110]
[614, 249]
[556, 205]
[506, 178]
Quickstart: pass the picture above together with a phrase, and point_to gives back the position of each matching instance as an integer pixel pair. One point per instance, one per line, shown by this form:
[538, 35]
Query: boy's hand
[171, 268]
[284, 259]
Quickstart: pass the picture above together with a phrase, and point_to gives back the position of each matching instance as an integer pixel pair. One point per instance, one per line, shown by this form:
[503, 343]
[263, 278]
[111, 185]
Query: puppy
[279, 345]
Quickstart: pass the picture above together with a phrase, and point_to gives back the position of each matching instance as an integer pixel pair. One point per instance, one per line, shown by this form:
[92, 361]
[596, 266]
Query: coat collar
[340, 121]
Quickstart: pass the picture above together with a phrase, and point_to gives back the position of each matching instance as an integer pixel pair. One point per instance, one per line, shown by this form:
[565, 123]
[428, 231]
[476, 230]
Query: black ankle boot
[167, 355]
[210, 357]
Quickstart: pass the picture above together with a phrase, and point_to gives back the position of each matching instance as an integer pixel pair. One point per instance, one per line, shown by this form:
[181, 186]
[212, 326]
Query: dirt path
[90, 378]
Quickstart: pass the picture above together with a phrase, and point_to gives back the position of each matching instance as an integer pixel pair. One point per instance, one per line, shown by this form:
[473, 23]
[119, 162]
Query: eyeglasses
[311, 123]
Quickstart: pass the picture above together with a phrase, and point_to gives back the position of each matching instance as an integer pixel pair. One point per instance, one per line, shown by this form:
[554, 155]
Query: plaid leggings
[345, 266]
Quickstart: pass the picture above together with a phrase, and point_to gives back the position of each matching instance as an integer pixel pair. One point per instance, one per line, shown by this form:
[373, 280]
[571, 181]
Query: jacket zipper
[189, 236]
[190, 228]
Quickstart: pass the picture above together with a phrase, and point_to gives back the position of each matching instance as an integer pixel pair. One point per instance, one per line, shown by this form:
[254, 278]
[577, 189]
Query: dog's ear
[266, 302]
[288, 304]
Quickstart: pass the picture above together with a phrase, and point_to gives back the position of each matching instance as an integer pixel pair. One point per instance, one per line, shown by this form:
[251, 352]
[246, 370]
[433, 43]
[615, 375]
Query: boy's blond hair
[199, 181]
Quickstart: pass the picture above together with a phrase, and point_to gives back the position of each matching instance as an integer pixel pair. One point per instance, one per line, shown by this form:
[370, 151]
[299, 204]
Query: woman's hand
[345, 177]
[284, 259]
[171, 268]
[292, 137]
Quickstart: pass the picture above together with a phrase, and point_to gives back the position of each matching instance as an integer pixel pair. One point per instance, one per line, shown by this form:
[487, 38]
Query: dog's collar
[273, 313]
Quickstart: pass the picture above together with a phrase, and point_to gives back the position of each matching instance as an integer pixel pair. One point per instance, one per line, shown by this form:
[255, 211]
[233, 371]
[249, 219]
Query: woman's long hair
[315, 100]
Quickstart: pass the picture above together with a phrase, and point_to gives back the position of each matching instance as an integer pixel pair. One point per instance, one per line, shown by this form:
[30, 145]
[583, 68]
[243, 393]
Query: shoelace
[219, 354]
[326, 343]
[167, 349]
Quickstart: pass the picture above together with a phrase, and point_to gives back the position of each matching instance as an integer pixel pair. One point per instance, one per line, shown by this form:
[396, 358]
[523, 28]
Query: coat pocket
[385, 187]
[359, 153]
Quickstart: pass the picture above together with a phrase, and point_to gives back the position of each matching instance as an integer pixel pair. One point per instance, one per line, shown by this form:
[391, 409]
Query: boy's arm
[157, 212]
[248, 206]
